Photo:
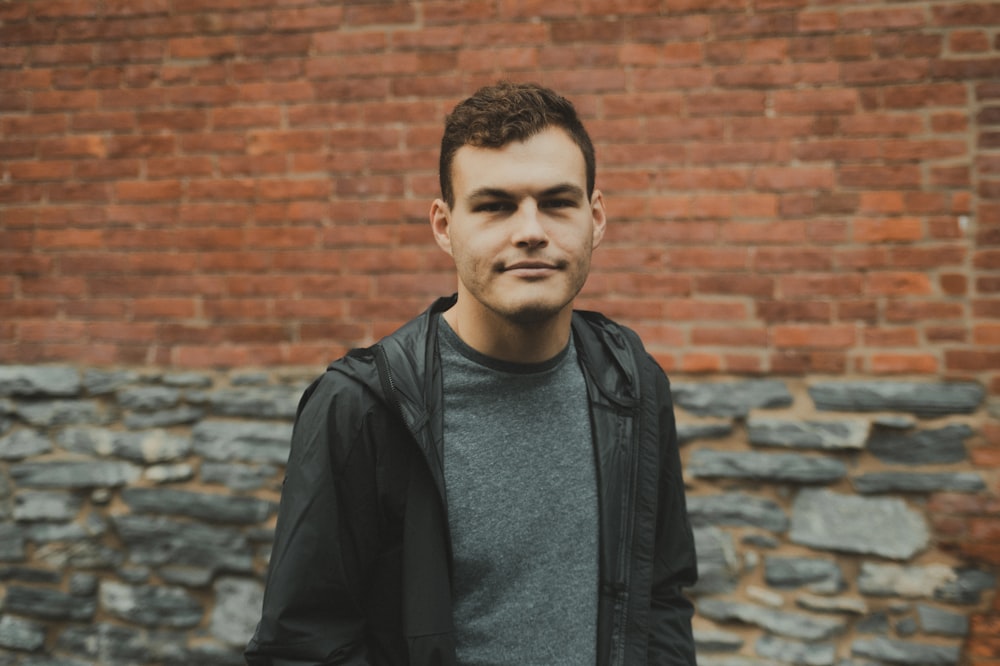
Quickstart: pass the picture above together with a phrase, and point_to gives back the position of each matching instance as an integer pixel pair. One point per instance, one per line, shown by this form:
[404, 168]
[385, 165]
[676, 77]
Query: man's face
[522, 229]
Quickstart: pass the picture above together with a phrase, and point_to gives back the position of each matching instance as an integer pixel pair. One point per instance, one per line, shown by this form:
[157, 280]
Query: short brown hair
[499, 114]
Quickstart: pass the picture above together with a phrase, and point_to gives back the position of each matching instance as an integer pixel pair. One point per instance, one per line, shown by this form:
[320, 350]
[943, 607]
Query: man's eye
[559, 203]
[491, 207]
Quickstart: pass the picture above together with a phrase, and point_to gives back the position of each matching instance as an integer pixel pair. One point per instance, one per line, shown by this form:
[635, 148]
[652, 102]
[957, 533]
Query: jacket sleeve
[675, 565]
[325, 534]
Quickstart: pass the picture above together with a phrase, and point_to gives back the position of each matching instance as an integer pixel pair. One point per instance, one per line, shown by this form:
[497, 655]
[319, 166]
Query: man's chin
[533, 313]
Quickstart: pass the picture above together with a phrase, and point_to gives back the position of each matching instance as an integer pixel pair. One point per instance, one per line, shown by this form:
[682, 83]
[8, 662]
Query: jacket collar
[605, 354]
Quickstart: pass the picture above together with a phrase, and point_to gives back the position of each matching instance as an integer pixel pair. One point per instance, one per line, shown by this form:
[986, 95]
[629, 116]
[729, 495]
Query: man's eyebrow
[499, 193]
[490, 193]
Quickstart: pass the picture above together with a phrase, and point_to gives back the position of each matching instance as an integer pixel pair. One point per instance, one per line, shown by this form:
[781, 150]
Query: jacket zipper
[388, 385]
[628, 520]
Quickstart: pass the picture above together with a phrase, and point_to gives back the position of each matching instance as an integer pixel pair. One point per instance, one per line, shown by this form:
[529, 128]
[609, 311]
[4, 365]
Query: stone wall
[837, 521]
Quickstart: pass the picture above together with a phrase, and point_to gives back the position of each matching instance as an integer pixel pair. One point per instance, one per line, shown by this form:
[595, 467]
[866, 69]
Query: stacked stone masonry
[837, 522]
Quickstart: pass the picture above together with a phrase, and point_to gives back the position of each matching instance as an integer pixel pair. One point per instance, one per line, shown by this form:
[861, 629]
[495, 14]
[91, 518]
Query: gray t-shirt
[522, 508]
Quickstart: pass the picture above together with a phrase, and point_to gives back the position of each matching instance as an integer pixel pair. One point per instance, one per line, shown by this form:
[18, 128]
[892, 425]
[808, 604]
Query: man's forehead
[548, 159]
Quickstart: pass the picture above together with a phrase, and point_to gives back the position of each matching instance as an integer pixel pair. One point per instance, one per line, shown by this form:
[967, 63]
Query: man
[497, 482]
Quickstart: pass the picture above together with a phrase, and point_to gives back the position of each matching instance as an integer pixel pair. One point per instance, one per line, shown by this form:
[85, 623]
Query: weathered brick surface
[188, 163]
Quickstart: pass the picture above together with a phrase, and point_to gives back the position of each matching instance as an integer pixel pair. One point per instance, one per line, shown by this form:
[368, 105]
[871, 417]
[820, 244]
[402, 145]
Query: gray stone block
[790, 572]
[718, 563]
[74, 474]
[894, 580]
[207, 654]
[153, 446]
[22, 444]
[690, 432]
[83, 584]
[910, 482]
[228, 441]
[27, 574]
[151, 606]
[935, 620]
[713, 640]
[48, 604]
[238, 603]
[824, 435]
[249, 379]
[760, 541]
[91, 526]
[159, 541]
[236, 476]
[731, 399]
[210, 507]
[906, 627]
[737, 509]
[967, 586]
[186, 576]
[926, 399]
[187, 380]
[80, 554]
[765, 467]
[927, 447]
[164, 418]
[169, 473]
[276, 402]
[20, 634]
[875, 623]
[148, 398]
[906, 652]
[101, 382]
[796, 652]
[824, 604]
[30, 506]
[735, 660]
[39, 380]
[61, 412]
[106, 643]
[831, 521]
[783, 623]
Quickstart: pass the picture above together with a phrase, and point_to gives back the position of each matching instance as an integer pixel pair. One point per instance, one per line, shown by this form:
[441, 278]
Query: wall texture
[203, 201]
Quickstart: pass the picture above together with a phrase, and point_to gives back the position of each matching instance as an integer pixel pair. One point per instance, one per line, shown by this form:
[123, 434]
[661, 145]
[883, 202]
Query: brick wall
[797, 188]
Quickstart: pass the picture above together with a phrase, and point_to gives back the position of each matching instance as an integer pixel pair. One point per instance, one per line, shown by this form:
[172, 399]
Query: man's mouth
[530, 266]
[530, 269]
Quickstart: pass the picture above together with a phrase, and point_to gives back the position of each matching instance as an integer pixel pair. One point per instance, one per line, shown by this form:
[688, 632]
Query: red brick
[880, 230]
[165, 190]
[899, 284]
[967, 13]
[908, 311]
[816, 101]
[803, 362]
[972, 360]
[807, 286]
[986, 334]
[894, 364]
[700, 362]
[793, 178]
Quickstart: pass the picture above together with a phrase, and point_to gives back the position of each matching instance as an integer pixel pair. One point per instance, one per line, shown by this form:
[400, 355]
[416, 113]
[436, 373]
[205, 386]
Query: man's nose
[528, 230]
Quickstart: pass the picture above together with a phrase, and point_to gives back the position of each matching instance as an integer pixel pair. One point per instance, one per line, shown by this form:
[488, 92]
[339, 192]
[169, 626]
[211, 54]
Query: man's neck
[497, 337]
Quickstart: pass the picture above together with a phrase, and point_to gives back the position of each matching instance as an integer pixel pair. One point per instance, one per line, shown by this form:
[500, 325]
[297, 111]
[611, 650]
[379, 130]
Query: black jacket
[360, 570]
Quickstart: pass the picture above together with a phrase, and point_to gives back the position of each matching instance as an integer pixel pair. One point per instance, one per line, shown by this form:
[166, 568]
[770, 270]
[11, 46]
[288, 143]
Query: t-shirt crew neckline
[511, 367]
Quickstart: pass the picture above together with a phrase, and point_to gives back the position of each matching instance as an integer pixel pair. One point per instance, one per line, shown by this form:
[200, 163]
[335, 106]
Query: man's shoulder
[608, 330]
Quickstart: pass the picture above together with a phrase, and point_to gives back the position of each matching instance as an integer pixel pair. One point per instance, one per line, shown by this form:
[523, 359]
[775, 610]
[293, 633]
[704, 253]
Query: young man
[497, 482]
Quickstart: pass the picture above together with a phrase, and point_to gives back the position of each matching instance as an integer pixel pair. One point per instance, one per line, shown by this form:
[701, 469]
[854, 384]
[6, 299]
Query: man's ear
[599, 215]
[440, 217]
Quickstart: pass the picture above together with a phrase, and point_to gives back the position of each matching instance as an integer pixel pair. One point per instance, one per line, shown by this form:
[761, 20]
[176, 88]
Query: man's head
[506, 112]
[523, 217]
